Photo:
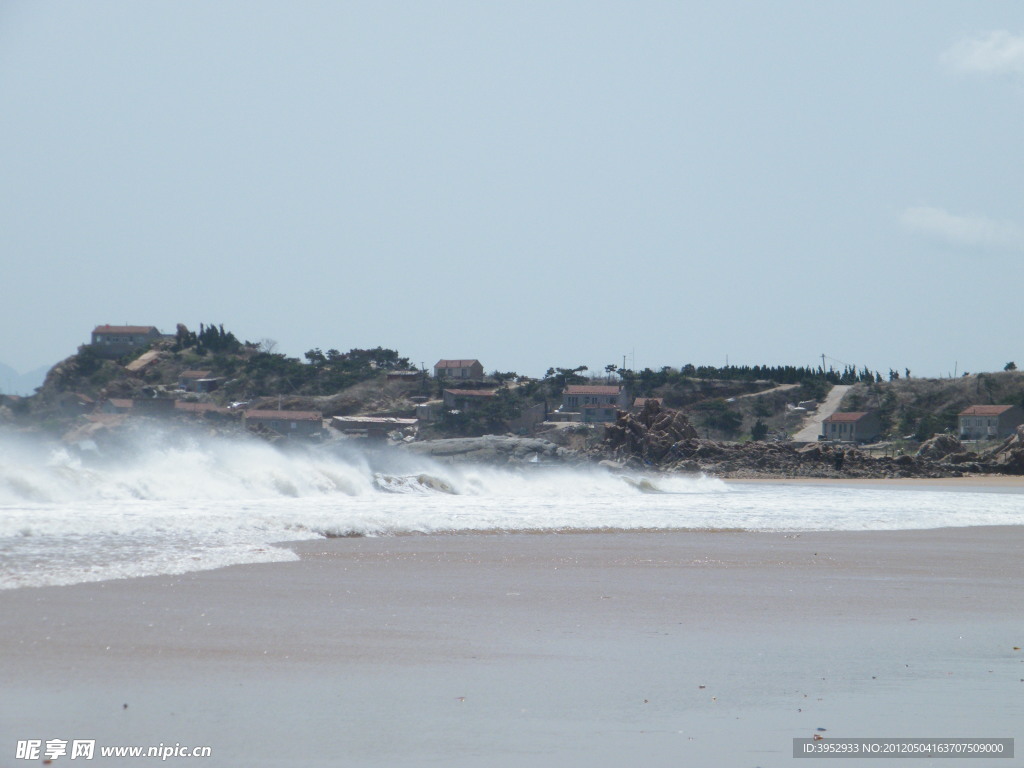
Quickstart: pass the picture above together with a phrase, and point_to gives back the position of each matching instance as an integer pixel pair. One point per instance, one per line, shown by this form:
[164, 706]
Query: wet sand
[1001, 483]
[653, 649]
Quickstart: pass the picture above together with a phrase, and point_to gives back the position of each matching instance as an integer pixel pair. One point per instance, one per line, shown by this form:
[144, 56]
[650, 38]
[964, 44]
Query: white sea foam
[171, 506]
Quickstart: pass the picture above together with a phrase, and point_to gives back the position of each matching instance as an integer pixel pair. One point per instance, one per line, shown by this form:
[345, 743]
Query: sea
[167, 504]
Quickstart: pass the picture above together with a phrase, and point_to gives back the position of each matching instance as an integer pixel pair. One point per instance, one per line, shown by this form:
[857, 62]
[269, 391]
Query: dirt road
[812, 424]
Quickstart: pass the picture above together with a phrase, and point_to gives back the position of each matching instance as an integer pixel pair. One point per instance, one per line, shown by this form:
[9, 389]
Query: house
[373, 427]
[139, 406]
[598, 413]
[467, 400]
[989, 422]
[430, 411]
[287, 423]
[74, 403]
[117, 405]
[198, 381]
[575, 396]
[458, 369]
[591, 404]
[116, 340]
[852, 427]
[528, 419]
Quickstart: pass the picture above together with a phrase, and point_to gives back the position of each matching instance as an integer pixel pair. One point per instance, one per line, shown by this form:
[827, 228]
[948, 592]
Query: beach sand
[598, 649]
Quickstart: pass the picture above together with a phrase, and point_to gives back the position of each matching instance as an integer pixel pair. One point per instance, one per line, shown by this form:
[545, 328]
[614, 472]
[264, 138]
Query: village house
[116, 340]
[373, 427]
[117, 405]
[74, 403]
[466, 400]
[575, 396]
[591, 404]
[291, 424]
[852, 427]
[989, 422]
[597, 413]
[198, 381]
[458, 369]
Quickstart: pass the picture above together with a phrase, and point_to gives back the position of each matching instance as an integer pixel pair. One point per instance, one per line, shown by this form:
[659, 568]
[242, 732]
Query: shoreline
[972, 481]
[672, 647]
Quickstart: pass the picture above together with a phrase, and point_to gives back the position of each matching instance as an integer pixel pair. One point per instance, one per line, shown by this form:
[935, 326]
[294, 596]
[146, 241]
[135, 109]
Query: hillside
[722, 404]
[233, 372]
[919, 408]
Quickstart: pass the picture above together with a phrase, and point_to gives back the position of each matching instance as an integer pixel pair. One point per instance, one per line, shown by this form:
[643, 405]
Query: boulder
[939, 447]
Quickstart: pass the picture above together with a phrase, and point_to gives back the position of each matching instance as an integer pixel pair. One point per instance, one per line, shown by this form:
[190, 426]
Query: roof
[985, 410]
[849, 416]
[195, 374]
[122, 329]
[121, 402]
[640, 402]
[456, 363]
[470, 392]
[586, 389]
[284, 415]
[357, 421]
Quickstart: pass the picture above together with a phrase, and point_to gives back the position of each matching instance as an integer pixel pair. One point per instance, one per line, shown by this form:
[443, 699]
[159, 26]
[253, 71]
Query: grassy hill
[922, 407]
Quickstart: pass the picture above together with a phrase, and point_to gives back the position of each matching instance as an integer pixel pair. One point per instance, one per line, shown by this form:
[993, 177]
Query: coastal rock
[939, 447]
[651, 435]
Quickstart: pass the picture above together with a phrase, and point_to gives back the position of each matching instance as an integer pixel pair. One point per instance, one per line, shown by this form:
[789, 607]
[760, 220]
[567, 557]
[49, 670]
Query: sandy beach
[596, 649]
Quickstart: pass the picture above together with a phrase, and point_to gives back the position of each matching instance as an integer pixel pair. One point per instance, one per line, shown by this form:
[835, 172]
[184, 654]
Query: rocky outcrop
[939, 447]
[648, 436]
[1007, 457]
[663, 439]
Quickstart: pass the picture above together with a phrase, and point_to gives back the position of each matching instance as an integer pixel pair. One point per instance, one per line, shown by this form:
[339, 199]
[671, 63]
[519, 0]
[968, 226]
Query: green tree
[558, 379]
[1010, 366]
[759, 431]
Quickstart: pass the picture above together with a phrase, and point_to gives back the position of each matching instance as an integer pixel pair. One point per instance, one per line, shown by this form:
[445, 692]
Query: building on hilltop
[116, 340]
[989, 422]
[458, 369]
[852, 427]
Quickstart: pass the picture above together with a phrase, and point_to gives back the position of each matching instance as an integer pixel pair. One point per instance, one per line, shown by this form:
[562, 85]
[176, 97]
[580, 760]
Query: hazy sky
[527, 183]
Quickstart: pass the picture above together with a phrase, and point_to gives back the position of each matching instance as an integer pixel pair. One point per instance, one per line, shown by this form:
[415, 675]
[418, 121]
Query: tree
[558, 379]
[1010, 366]
[759, 431]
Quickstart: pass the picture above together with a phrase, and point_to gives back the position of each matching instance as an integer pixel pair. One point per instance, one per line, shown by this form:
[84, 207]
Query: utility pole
[822, 362]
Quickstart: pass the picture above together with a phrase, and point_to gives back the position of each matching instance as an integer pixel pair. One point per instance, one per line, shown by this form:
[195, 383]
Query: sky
[531, 184]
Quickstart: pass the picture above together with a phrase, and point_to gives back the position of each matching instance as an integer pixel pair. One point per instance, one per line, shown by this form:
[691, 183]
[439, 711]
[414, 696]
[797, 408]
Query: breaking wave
[173, 504]
[157, 468]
